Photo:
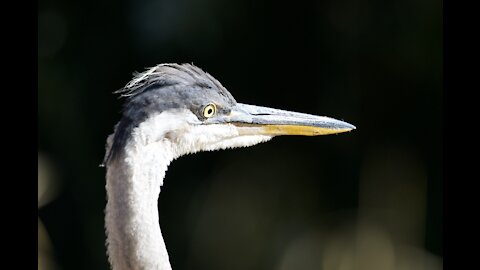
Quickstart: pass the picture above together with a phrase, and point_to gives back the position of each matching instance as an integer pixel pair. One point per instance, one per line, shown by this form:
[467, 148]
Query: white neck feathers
[135, 176]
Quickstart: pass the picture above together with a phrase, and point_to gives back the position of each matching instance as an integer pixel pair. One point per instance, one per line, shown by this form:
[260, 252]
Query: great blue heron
[173, 110]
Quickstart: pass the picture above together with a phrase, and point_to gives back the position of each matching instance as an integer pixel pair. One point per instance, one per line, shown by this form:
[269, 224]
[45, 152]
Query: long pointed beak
[257, 120]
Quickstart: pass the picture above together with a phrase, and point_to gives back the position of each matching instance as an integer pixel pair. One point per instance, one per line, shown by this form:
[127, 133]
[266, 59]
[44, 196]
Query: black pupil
[209, 111]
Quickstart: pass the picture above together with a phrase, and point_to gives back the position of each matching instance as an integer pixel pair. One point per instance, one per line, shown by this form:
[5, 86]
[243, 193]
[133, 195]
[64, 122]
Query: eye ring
[209, 110]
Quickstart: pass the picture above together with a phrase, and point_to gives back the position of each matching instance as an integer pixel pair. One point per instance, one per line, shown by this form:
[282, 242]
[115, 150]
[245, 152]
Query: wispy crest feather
[168, 74]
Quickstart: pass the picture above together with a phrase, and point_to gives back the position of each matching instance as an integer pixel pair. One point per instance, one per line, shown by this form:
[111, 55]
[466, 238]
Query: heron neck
[133, 186]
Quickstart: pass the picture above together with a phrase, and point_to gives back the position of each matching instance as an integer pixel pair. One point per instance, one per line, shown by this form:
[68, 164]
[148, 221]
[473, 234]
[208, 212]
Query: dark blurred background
[369, 199]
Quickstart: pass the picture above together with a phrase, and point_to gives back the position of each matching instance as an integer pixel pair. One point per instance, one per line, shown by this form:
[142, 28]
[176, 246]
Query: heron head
[192, 111]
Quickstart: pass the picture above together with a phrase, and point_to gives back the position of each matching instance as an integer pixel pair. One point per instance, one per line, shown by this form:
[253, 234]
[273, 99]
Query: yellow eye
[209, 110]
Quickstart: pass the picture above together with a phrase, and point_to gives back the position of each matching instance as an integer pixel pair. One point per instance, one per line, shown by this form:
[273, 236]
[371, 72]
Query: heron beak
[257, 120]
